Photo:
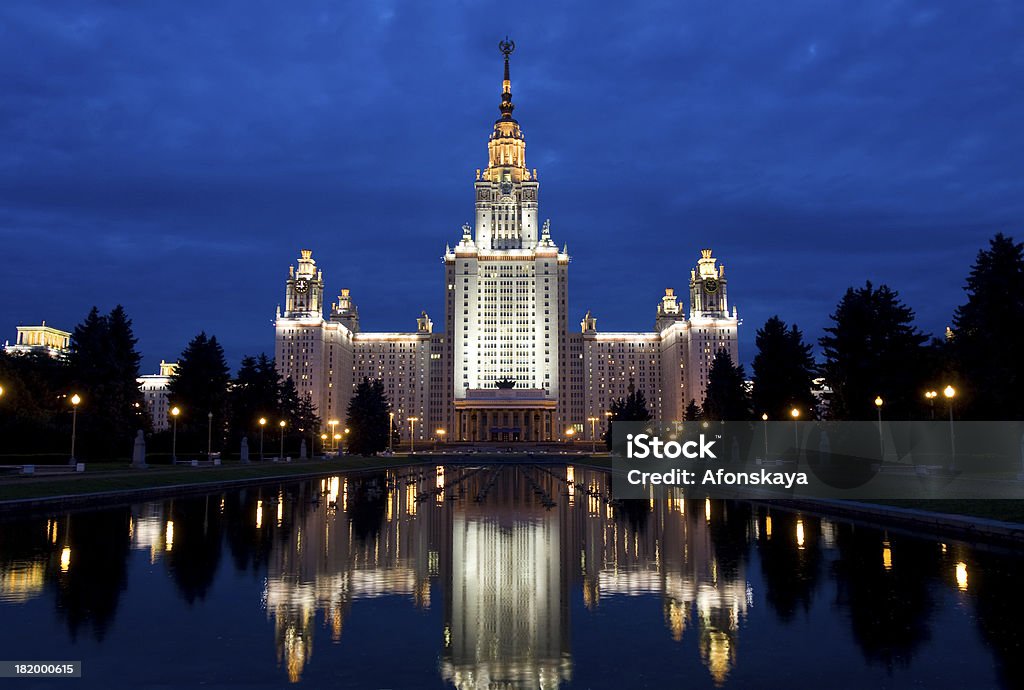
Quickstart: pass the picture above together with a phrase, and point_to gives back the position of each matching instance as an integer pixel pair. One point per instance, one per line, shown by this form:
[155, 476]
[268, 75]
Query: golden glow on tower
[506, 148]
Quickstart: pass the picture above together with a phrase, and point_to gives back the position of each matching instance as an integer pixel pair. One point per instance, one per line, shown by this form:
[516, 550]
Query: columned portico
[506, 415]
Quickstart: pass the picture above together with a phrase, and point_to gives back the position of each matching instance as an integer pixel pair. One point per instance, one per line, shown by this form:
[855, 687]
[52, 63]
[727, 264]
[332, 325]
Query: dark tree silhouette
[726, 399]
[692, 413]
[631, 408]
[368, 418]
[988, 334]
[873, 349]
[103, 365]
[199, 386]
[783, 371]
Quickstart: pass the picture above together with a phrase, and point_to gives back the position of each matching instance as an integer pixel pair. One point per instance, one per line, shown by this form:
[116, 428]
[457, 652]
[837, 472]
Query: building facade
[156, 394]
[42, 339]
[508, 366]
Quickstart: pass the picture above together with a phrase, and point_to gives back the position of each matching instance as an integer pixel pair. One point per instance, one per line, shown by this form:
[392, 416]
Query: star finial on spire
[506, 47]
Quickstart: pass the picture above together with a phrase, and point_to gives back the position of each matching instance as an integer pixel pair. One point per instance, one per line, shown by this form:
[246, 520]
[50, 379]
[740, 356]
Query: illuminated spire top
[506, 147]
[506, 107]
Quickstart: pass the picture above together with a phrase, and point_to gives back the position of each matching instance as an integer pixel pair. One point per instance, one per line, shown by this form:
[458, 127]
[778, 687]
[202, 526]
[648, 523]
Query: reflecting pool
[498, 577]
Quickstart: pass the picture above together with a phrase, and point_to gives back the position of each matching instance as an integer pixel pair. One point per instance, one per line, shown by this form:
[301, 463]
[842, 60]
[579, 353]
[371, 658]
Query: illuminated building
[41, 339]
[508, 366]
[155, 393]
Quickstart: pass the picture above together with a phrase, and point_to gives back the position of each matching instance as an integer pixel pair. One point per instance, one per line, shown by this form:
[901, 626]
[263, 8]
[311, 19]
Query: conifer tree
[988, 334]
[873, 349]
[783, 371]
[726, 399]
[368, 419]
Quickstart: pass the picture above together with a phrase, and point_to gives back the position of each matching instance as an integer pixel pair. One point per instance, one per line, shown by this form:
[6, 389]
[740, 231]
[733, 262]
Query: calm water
[509, 577]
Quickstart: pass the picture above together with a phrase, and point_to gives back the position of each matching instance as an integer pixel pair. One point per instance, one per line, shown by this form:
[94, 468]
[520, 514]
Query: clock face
[302, 286]
[506, 187]
[710, 286]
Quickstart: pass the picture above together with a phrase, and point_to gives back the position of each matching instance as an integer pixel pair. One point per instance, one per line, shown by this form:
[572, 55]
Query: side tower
[299, 345]
[506, 297]
[711, 326]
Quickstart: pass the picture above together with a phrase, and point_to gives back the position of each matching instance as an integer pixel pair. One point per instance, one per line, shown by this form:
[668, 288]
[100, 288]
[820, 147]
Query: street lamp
[795, 414]
[930, 397]
[570, 432]
[263, 424]
[391, 428]
[75, 400]
[438, 435]
[764, 418]
[333, 423]
[412, 433]
[593, 434]
[881, 445]
[175, 411]
[950, 392]
[282, 424]
[323, 443]
[209, 435]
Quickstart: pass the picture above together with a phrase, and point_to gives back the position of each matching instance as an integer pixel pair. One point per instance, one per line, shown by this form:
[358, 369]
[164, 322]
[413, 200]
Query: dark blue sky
[175, 157]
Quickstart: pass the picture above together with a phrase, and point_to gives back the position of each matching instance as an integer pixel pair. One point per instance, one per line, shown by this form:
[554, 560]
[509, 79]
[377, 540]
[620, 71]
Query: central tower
[506, 297]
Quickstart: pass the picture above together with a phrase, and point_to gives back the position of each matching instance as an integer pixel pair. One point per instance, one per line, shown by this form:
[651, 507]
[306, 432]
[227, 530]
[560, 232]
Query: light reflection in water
[961, 576]
[169, 535]
[509, 554]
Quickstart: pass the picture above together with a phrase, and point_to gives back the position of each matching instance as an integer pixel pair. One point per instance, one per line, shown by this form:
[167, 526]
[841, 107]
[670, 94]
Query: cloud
[177, 161]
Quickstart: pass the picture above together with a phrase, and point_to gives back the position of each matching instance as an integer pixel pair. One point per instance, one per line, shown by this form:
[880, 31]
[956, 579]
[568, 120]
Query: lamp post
[881, 444]
[175, 411]
[263, 424]
[209, 435]
[439, 435]
[950, 393]
[570, 432]
[930, 397]
[282, 424]
[323, 443]
[412, 433]
[795, 414]
[764, 426]
[337, 438]
[75, 400]
[593, 434]
[333, 423]
[391, 429]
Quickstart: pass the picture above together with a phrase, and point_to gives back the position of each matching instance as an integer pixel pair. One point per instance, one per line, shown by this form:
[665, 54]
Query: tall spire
[506, 47]
[506, 146]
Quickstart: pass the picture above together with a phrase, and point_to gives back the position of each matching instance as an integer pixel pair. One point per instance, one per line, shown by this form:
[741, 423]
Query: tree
[34, 414]
[873, 349]
[988, 330]
[726, 399]
[127, 399]
[783, 372]
[199, 386]
[692, 413]
[103, 365]
[368, 418]
[631, 408]
[254, 394]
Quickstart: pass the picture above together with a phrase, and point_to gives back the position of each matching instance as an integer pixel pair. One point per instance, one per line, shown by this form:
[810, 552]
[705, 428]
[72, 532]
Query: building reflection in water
[507, 550]
[508, 545]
